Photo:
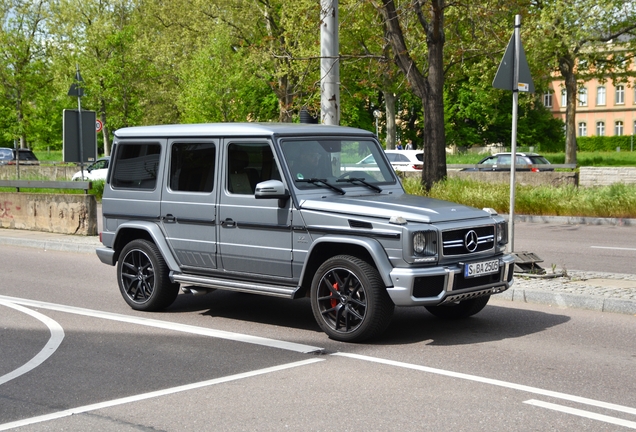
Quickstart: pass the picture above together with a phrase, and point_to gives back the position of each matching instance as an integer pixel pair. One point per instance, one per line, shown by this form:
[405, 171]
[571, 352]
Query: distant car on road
[502, 162]
[401, 160]
[26, 156]
[95, 171]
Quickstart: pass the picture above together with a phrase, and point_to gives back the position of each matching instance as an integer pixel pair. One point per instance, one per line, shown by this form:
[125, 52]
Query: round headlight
[419, 242]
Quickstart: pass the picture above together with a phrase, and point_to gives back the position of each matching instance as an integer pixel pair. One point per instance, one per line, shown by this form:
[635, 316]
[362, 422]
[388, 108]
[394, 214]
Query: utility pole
[329, 63]
[77, 90]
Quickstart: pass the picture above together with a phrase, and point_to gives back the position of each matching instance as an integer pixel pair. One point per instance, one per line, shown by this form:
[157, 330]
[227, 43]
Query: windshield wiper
[361, 181]
[319, 181]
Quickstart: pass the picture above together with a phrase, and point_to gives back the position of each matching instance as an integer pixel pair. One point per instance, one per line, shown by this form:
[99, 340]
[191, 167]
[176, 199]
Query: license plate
[481, 268]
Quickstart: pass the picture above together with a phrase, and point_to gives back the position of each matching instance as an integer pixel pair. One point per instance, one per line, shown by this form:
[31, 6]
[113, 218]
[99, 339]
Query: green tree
[99, 36]
[23, 66]
[571, 39]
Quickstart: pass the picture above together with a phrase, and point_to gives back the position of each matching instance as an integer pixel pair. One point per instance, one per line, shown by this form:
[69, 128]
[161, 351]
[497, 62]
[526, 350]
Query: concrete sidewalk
[603, 292]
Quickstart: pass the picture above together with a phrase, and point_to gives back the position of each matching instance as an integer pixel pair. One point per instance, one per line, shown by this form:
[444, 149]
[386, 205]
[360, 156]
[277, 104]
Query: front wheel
[349, 299]
[143, 278]
[459, 310]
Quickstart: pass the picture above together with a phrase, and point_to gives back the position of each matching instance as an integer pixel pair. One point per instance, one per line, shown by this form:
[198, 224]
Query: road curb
[49, 245]
[569, 301]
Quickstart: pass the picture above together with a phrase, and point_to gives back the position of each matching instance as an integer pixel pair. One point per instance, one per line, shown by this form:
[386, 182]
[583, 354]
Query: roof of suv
[236, 129]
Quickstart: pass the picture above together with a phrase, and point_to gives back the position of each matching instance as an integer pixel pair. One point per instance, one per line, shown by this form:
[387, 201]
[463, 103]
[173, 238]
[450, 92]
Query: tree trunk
[105, 133]
[389, 103]
[429, 88]
[434, 132]
[566, 66]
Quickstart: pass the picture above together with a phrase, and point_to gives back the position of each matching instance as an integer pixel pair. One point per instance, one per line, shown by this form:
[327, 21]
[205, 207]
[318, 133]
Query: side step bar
[230, 285]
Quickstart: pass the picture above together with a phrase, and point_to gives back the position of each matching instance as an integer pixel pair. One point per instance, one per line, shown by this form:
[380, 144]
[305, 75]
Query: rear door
[188, 206]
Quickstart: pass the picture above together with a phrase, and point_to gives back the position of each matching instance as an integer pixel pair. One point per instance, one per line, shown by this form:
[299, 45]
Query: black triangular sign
[504, 77]
[75, 90]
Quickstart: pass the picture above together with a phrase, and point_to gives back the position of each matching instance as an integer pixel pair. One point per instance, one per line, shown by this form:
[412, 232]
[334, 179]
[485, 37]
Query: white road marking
[513, 386]
[582, 413]
[154, 394]
[238, 337]
[57, 336]
[613, 248]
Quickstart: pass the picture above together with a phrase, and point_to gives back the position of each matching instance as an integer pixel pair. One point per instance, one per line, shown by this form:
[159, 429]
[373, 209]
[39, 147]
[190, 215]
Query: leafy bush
[604, 143]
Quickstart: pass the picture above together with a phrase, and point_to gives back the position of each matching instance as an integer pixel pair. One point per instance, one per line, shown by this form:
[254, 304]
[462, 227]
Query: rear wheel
[349, 300]
[143, 277]
[459, 310]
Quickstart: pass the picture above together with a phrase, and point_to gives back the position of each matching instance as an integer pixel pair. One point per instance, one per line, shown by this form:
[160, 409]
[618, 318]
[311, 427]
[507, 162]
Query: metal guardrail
[507, 167]
[47, 184]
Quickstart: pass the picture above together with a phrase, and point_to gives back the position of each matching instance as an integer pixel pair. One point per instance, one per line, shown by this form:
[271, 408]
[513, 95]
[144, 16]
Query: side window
[249, 164]
[137, 166]
[504, 160]
[192, 167]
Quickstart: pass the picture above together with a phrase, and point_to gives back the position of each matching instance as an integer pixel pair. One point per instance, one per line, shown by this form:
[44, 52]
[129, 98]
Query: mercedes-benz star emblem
[470, 241]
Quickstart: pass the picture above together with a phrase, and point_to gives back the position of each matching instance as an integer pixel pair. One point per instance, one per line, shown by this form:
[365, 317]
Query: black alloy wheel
[143, 278]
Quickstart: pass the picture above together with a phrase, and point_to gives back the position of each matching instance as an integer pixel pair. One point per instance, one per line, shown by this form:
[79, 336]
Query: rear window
[539, 160]
[26, 155]
[136, 166]
[6, 154]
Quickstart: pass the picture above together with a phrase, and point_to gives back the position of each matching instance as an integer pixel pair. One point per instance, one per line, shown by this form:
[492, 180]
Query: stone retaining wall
[605, 176]
[522, 178]
[58, 213]
[42, 172]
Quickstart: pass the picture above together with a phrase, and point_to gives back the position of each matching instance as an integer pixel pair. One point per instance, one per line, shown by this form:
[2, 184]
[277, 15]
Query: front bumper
[444, 284]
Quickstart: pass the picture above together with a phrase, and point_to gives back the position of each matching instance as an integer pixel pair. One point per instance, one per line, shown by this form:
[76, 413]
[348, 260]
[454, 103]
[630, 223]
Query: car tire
[143, 277]
[459, 310]
[349, 300]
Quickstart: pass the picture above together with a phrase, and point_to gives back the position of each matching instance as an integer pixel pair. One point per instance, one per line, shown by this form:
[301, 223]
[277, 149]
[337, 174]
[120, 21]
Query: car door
[255, 236]
[188, 204]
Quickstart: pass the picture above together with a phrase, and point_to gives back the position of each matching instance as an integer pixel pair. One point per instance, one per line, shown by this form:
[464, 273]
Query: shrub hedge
[604, 143]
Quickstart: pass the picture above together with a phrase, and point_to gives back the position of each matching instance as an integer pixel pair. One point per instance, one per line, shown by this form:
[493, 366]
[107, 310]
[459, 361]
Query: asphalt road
[74, 357]
[602, 248]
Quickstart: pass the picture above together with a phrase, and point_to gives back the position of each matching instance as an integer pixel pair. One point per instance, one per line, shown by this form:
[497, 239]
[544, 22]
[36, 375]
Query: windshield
[333, 159]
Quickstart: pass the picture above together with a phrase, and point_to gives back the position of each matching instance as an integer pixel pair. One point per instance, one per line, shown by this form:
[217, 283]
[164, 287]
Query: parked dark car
[502, 162]
[26, 156]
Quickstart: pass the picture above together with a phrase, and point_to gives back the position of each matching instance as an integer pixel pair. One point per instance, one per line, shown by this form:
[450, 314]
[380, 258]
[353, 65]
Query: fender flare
[157, 237]
[372, 246]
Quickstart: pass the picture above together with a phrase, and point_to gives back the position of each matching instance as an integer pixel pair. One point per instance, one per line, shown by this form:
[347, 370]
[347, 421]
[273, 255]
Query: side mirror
[272, 189]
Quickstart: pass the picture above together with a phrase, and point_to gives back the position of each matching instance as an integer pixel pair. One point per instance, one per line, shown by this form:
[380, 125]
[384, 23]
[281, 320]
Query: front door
[255, 236]
[188, 207]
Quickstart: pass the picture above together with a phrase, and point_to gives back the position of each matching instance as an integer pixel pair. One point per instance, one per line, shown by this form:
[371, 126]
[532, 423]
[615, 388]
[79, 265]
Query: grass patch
[615, 201]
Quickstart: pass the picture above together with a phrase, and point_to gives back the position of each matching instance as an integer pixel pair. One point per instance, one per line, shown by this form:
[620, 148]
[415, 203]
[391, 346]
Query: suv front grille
[466, 241]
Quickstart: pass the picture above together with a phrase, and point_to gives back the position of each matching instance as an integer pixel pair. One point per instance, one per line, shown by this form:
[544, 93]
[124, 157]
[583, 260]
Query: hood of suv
[411, 207]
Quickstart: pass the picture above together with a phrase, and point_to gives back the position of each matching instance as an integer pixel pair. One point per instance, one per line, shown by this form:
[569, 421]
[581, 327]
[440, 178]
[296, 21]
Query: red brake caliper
[334, 301]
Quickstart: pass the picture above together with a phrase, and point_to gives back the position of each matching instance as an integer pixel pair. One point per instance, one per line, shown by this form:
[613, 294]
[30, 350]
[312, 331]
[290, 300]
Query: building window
[583, 96]
[547, 100]
[582, 129]
[634, 130]
[620, 95]
[564, 97]
[600, 128]
[618, 128]
[600, 95]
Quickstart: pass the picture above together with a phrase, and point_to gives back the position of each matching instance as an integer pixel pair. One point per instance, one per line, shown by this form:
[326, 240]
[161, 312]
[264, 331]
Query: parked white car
[401, 160]
[95, 171]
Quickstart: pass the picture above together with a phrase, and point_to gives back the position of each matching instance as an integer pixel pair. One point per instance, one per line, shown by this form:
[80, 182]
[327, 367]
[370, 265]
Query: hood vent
[360, 224]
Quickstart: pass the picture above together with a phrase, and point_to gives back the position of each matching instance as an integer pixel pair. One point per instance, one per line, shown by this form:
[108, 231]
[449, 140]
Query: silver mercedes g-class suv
[291, 210]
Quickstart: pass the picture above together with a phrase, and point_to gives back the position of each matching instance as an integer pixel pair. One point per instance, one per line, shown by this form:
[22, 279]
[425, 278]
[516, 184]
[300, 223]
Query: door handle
[169, 218]
[228, 223]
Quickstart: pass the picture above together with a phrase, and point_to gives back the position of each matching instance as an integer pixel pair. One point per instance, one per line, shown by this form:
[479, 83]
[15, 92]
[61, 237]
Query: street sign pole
[514, 74]
[513, 139]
